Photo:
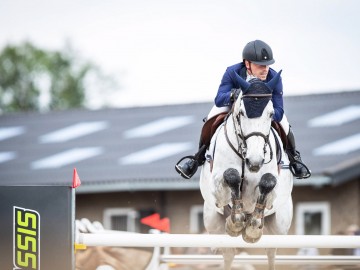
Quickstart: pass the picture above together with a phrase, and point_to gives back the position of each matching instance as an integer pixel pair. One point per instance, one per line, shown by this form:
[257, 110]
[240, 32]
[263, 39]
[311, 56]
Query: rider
[257, 56]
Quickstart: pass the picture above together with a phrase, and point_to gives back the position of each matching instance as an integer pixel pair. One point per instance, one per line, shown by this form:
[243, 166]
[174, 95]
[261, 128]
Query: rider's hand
[234, 94]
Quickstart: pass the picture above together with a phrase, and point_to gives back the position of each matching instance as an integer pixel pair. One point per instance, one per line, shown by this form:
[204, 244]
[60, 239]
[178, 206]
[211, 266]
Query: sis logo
[26, 254]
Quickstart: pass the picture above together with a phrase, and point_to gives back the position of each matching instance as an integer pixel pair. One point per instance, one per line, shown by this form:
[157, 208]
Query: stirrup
[299, 176]
[178, 167]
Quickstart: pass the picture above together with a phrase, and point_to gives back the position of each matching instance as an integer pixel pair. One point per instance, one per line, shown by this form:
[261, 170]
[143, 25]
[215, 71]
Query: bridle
[241, 139]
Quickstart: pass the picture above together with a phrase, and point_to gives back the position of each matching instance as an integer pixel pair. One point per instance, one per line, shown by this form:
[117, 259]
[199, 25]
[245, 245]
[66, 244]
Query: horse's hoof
[250, 240]
[232, 233]
[252, 234]
[238, 218]
[233, 229]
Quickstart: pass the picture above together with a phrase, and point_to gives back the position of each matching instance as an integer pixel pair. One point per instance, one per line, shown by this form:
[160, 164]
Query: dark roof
[111, 153]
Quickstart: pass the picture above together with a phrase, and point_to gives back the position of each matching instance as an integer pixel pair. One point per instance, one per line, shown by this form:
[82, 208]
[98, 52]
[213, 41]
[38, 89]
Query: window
[121, 219]
[313, 218]
[197, 219]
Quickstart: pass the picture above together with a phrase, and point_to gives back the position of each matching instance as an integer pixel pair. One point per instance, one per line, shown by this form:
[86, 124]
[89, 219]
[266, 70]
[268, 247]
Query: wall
[173, 204]
[344, 201]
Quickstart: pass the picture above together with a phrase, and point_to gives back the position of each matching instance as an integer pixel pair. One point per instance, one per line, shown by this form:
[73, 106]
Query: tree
[36, 79]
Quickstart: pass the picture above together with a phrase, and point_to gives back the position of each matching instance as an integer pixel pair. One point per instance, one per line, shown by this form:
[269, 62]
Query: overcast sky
[165, 51]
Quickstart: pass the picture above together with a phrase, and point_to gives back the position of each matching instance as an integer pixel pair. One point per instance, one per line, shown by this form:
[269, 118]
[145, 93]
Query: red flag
[164, 225]
[76, 180]
[155, 222]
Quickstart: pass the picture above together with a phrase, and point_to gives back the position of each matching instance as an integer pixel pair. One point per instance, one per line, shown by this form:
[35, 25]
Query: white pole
[203, 240]
[262, 259]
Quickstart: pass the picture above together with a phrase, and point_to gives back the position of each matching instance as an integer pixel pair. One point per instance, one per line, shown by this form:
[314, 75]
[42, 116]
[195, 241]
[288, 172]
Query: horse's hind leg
[228, 254]
[214, 224]
[236, 221]
[271, 253]
[277, 224]
[254, 229]
[272, 228]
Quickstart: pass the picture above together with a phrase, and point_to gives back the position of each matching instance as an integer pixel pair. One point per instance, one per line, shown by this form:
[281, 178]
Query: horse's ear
[243, 84]
[273, 82]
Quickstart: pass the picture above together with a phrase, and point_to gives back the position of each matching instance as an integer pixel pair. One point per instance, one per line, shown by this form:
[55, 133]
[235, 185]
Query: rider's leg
[299, 169]
[189, 168]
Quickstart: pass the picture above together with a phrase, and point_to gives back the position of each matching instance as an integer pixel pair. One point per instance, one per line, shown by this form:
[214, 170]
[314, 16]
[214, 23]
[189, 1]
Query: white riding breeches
[217, 110]
[285, 124]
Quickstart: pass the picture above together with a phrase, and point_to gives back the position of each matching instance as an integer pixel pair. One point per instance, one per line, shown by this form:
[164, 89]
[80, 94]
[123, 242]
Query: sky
[176, 51]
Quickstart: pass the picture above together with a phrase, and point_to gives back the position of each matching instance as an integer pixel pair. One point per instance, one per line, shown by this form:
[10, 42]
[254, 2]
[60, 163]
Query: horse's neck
[236, 127]
[232, 129]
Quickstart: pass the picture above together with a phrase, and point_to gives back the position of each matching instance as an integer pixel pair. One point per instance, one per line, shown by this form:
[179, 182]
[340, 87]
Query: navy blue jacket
[229, 82]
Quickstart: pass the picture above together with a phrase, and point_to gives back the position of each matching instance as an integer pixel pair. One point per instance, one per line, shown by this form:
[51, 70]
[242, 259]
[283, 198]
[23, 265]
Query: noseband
[245, 137]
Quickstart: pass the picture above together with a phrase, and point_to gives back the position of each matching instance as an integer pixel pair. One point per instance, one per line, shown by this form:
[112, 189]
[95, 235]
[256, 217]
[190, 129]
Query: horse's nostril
[254, 167]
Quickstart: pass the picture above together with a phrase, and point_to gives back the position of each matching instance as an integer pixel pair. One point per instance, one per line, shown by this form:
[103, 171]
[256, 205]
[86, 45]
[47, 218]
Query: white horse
[244, 173]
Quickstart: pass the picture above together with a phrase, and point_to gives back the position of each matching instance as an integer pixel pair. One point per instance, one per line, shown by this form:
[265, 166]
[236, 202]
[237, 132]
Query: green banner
[37, 227]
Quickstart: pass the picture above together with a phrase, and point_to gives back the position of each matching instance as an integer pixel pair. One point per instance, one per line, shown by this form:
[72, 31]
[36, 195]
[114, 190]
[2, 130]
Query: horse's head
[254, 112]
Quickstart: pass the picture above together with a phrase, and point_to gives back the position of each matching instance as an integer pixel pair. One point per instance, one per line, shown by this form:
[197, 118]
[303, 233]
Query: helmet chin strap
[249, 72]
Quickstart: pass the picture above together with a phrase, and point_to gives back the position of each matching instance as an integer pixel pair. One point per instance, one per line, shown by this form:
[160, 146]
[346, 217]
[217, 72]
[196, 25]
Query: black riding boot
[189, 168]
[297, 167]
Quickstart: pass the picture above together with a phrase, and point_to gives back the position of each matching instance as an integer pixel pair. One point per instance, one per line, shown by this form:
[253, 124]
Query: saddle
[210, 126]
[281, 132]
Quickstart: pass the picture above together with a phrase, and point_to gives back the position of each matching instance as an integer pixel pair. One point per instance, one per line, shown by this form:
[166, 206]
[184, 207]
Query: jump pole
[262, 259]
[203, 240]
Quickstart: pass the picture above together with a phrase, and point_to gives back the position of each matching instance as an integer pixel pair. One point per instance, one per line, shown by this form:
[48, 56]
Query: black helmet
[258, 52]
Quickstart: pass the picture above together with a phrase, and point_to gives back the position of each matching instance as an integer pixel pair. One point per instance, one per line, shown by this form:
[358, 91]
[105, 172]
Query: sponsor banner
[37, 227]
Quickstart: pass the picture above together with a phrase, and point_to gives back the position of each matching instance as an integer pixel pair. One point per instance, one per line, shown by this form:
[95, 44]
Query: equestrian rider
[257, 56]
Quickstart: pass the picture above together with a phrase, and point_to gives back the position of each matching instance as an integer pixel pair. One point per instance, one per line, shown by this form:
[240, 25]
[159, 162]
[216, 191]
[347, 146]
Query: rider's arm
[223, 95]
[277, 99]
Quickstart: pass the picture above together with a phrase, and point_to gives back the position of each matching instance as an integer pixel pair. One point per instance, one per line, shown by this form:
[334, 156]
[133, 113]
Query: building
[125, 159]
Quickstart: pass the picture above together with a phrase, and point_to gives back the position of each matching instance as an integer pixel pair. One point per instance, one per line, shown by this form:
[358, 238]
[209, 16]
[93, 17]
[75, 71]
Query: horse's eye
[242, 112]
[271, 114]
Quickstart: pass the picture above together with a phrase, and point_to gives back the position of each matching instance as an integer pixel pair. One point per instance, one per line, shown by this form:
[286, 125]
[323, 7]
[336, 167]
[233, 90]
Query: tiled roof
[137, 148]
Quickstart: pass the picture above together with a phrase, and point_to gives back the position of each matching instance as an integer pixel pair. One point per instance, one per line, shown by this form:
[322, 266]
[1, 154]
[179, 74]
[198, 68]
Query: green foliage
[35, 79]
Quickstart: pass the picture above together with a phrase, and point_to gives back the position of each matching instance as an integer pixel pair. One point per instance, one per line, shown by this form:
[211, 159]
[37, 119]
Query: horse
[244, 186]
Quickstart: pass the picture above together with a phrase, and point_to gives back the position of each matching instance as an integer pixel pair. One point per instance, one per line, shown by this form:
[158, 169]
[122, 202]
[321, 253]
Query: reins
[237, 151]
[242, 147]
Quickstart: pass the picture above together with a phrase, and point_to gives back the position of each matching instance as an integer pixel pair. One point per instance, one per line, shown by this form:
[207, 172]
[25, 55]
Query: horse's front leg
[236, 221]
[255, 225]
[220, 190]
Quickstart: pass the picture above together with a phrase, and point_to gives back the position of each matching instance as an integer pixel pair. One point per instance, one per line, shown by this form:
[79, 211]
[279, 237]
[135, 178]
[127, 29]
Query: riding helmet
[258, 52]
